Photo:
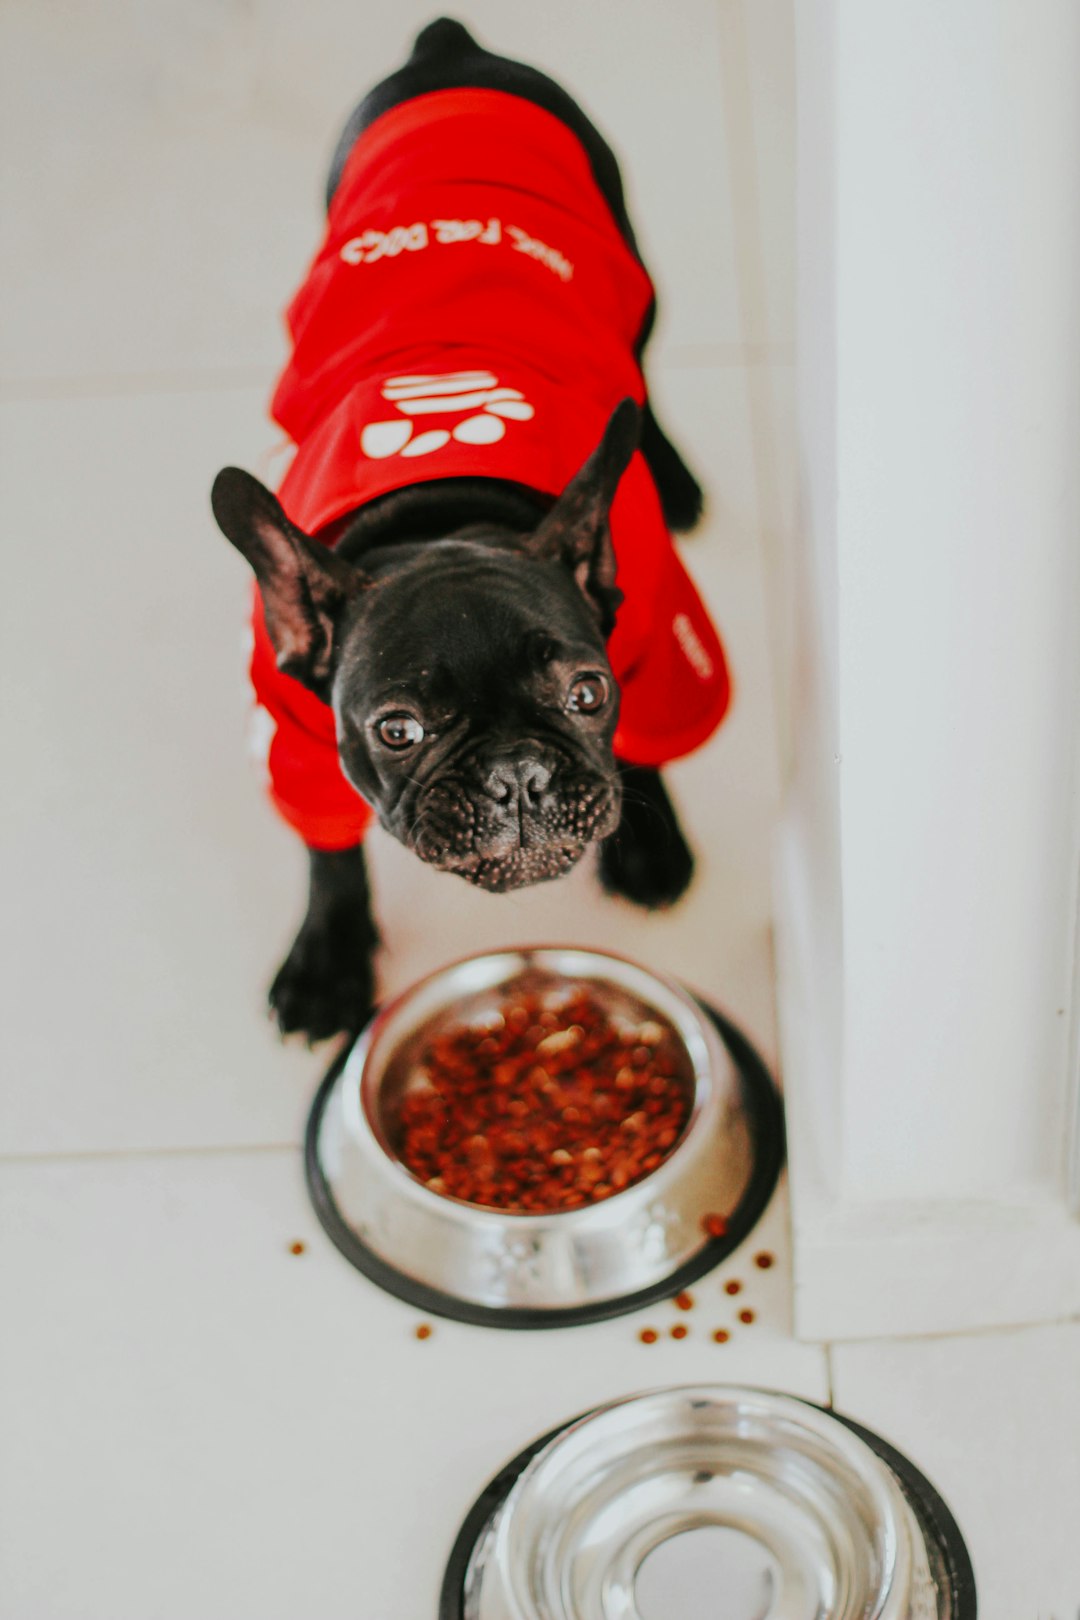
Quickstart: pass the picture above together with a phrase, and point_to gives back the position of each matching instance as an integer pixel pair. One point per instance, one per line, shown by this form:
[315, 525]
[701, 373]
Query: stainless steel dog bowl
[534, 1270]
[711, 1503]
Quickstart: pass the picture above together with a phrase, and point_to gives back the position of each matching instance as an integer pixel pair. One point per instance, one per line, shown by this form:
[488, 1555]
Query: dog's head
[472, 695]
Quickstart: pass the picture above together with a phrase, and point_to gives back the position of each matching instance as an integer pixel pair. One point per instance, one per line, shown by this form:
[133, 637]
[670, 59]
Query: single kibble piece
[423, 1331]
[684, 1302]
[721, 1336]
[764, 1260]
[648, 1335]
[733, 1287]
[680, 1330]
[554, 1104]
[296, 1248]
[746, 1316]
[715, 1225]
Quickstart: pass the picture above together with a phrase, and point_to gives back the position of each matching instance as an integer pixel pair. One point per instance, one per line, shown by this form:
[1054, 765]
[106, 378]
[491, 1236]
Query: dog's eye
[588, 693]
[400, 731]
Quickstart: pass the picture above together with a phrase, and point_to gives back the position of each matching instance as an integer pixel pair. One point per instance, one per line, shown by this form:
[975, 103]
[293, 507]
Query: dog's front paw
[651, 875]
[326, 984]
[646, 859]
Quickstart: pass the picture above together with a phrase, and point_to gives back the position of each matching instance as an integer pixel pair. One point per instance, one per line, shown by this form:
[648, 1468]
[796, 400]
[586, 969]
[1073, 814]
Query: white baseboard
[889, 1269]
[893, 1270]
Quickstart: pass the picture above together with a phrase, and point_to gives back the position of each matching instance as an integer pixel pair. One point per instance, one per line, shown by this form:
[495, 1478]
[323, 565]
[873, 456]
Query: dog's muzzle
[516, 822]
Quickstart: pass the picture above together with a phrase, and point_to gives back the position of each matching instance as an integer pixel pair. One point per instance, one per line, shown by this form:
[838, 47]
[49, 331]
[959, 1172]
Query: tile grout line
[93, 1155]
[986, 1331]
[104, 385]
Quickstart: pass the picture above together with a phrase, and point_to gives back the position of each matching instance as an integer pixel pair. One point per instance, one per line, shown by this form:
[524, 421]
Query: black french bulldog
[458, 627]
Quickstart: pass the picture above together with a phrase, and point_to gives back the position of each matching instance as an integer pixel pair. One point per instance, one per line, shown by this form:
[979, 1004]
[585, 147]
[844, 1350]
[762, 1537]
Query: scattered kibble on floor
[746, 1316]
[648, 1335]
[721, 1335]
[684, 1301]
[296, 1248]
[764, 1260]
[733, 1287]
[680, 1330]
[423, 1331]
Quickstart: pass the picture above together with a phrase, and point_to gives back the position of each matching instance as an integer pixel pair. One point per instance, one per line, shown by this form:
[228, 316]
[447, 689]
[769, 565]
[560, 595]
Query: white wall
[928, 858]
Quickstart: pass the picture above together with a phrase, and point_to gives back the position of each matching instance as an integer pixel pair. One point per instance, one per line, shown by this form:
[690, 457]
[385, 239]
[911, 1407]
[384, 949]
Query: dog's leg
[646, 859]
[326, 984]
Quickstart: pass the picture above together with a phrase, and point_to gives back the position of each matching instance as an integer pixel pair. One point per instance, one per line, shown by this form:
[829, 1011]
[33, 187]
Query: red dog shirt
[473, 311]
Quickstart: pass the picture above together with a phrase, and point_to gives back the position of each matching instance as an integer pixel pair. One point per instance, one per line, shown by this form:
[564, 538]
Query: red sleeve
[665, 652]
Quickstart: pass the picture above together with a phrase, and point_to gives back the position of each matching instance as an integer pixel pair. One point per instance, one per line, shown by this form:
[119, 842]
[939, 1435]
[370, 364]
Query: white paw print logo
[654, 1230]
[513, 1264]
[488, 406]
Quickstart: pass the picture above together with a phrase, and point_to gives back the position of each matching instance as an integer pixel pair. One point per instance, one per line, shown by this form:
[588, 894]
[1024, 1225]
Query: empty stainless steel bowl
[514, 1269]
[711, 1501]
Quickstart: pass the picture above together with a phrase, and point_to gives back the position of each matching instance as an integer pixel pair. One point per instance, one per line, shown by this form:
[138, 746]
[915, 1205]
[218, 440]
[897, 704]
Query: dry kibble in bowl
[552, 1107]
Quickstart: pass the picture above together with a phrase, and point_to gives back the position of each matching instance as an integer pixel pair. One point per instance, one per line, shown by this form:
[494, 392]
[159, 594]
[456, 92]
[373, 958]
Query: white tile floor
[193, 1421]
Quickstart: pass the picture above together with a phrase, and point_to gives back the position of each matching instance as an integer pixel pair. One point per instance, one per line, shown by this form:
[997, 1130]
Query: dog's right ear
[576, 531]
[304, 586]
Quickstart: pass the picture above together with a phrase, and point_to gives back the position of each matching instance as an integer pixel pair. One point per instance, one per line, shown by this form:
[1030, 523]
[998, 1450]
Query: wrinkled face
[475, 709]
[472, 696]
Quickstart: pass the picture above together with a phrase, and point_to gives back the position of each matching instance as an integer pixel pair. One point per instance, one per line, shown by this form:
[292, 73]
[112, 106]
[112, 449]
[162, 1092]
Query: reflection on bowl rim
[743, 1412]
[360, 1103]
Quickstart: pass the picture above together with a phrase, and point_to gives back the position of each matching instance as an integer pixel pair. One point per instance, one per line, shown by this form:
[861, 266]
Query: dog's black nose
[517, 780]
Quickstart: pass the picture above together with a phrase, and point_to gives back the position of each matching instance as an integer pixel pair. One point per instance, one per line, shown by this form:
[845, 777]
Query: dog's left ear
[304, 586]
[576, 532]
